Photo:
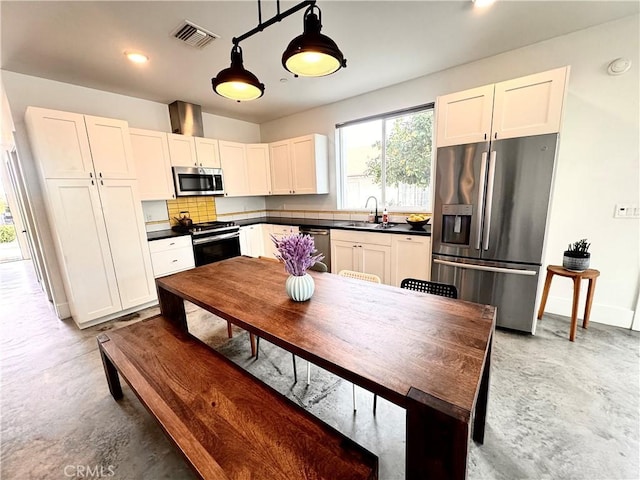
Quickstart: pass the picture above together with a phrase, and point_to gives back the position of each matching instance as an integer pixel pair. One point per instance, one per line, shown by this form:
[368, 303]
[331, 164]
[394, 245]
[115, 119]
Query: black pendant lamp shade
[313, 54]
[235, 82]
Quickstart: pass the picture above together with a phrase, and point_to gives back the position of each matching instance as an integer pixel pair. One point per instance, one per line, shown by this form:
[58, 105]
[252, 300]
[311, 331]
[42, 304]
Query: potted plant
[576, 257]
[298, 253]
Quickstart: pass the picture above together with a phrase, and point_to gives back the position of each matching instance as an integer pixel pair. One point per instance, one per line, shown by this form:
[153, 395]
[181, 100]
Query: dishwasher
[322, 239]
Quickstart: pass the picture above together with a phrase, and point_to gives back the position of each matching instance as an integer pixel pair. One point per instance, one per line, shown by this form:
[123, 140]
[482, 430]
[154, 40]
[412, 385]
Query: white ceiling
[385, 42]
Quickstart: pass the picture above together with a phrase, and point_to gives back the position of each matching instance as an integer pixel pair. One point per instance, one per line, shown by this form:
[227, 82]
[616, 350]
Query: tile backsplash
[201, 209]
[160, 214]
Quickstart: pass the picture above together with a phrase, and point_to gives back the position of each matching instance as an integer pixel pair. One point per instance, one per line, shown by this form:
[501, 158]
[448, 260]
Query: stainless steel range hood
[186, 118]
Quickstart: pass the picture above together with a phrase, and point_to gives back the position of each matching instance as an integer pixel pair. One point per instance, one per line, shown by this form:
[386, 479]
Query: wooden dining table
[430, 355]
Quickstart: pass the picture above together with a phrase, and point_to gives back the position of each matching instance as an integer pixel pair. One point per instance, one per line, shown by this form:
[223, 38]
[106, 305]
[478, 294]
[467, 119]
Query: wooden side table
[589, 274]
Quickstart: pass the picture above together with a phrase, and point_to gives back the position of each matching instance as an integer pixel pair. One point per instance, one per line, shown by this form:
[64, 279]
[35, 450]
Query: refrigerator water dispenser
[456, 224]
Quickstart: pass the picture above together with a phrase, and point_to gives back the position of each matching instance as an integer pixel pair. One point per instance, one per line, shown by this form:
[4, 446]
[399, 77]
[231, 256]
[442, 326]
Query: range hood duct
[186, 118]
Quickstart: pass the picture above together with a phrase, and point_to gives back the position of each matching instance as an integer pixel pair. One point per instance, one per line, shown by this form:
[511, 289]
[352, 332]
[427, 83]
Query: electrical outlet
[149, 217]
[627, 210]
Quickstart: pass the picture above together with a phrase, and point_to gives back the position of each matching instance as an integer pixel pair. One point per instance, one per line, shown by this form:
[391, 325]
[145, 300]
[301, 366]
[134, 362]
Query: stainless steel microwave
[198, 181]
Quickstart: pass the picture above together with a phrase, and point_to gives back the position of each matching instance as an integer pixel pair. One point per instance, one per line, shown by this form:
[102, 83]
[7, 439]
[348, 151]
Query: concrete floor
[556, 409]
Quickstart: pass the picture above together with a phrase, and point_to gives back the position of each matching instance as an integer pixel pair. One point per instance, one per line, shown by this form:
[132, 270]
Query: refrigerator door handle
[489, 202]
[515, 271]
[483, 174]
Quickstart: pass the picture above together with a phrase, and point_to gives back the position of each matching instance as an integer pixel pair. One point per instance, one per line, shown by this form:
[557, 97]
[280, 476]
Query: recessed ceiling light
[482, 3]
[619, 66]
[137, 57]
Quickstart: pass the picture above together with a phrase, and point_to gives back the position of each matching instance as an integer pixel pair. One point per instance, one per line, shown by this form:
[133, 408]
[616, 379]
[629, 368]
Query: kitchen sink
[366, 225]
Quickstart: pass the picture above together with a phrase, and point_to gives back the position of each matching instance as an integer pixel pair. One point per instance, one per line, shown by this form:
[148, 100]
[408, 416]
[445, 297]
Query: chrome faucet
[375, 219]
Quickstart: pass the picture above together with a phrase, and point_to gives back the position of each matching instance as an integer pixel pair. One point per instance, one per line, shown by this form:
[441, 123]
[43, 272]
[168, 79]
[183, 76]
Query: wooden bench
[226, 423]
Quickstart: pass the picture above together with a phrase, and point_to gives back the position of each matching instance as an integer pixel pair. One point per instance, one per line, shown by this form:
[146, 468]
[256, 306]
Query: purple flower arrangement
[296, 251]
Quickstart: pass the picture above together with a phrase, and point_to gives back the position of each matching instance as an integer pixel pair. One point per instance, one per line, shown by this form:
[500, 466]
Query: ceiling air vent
[194, 35]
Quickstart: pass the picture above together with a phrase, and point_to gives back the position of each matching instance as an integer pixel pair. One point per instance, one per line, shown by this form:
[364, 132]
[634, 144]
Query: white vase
[301, 288]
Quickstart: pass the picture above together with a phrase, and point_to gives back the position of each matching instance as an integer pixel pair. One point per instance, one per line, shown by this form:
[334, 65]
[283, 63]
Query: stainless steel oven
[215, 241]
[198, 181]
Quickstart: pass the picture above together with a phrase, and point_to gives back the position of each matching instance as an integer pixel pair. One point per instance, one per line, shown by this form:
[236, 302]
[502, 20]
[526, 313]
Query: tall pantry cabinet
[89, 181]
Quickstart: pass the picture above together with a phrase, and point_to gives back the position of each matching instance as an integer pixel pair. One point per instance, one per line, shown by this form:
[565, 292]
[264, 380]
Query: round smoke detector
[619, 66]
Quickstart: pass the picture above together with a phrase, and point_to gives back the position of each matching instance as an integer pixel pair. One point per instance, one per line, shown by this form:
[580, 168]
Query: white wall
[23, 91]
[597, 164]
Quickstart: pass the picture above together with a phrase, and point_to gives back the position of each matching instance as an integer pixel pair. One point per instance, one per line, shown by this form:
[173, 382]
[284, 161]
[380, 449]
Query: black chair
[435, 288]
[319, 267]
[424, 286]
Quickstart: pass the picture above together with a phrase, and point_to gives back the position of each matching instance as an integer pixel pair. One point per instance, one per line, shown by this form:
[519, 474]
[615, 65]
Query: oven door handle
[215, 238]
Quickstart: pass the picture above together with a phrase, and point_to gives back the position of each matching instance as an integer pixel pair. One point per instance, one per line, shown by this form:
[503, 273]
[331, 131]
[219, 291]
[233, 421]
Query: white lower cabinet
[123, 218]
[251, 241]
[102, 243]
[83, 248]
[277, 231]
[410, 258]
[361, 252]
[171, 255]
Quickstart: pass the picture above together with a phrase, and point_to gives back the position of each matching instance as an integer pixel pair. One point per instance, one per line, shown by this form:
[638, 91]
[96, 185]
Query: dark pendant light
[235, 82]
[313, 54]
[308, 55]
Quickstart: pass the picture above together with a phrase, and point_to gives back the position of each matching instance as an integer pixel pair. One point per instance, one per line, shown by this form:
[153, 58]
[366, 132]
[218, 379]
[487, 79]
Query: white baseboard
[600, 313]
[62, 310]
[97, 321]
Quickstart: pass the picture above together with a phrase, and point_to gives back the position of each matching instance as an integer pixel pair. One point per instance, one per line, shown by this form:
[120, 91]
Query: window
[389, 157]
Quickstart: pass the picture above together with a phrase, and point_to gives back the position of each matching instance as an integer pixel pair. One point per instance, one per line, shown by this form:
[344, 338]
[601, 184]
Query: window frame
[341, 164]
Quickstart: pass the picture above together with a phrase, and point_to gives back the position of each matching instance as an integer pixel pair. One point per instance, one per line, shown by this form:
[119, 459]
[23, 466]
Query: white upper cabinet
[72, 145]
[529, 105]
[299, 165]
[62, 147]
[188, 151]
[309, 164]
[233, 158]
[151, 156]
[464, 117]
[182, 150]
[110, 147]
[245, 168]
[207, 153]
[258, 168]
[525, 106]
[280, 167]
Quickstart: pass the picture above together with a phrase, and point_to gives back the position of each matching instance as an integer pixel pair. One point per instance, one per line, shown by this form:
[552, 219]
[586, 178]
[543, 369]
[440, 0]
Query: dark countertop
[160, 234]
[400, 228]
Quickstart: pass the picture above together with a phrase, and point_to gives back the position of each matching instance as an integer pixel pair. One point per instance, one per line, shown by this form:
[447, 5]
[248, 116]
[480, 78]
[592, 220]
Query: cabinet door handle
[172, 243]
[92, 183]
[485, 136]
[409, 238]
[90, 174]
[100, 174]
[495, 135]
[101, 182]
[174, 261]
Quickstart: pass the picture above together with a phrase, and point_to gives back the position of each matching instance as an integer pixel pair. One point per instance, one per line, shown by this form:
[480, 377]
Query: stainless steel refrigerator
[489, 223]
